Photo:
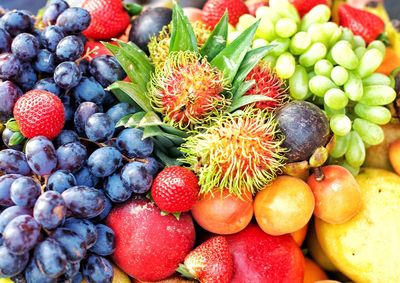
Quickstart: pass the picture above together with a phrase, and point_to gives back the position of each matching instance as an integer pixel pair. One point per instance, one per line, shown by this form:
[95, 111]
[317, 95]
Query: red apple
[262, 258]
[149, 246]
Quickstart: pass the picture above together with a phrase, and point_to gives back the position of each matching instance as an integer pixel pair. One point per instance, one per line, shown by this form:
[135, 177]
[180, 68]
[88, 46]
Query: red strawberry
[99, 47]
[213, 10]
[211, 262]
[363, 23]
[109, 18]
[175, 189]
[304, 6]
[39, 113]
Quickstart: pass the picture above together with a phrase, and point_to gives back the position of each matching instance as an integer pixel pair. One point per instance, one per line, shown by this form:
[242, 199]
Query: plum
[305, 128]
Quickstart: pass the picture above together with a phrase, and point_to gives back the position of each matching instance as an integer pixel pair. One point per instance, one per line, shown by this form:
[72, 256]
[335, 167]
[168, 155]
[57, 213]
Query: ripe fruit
[394, 155]
[284, 206]
[175, 189]
[304, 6]
[313, 272]
[187, 90]
[267, 84]
[273, 258]
[363, 23]
[109, 19]
[222, 213]
[300, 235]
[149, 246]
[337, 196]
[193, 14]
[214, 9]
[210, 262]
[39, 113]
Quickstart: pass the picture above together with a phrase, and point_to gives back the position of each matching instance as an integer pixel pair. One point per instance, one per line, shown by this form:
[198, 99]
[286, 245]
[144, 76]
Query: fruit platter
[200, 141]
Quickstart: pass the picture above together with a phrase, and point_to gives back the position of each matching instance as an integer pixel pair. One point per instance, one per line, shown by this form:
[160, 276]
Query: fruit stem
[184, 271]
[88, 53]
[319, 175]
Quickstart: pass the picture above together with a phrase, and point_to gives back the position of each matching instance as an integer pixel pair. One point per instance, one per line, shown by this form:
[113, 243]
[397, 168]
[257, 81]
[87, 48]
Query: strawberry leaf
[16, 138]
[134, 92]
[184, 271]
[12, 125]
[231, 57]
[182, 36]
[133, 9]
[217, 40]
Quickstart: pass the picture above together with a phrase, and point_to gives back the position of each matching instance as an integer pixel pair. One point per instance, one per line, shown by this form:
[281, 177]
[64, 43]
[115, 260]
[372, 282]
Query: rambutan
[267, 83]
[159, 45]
[187, 90]
[241, 152]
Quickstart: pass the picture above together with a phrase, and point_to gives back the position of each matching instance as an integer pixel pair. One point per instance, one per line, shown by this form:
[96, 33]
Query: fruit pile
[183, 144]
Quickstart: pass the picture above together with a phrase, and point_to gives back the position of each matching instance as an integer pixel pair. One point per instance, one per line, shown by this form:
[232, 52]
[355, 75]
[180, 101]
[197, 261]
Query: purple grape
[24, 191]
[10, 66]
[120, 110]
[50, 258]
[25, 46]
[71, 270]
[53, 10]
[82, 114]
[9, 94]
[131, 143]
[66, 136]
[105, 244]
[74, 20]
[6, 137]
[97, 269]
[45, 62]
[13, 162]
[10, 213]
[51, 36]
[67, 75]
[27, 78]
[84, 229]
[106, 70]
[115, 189]
[50, 210]
[135, 176]
[5, 41]
[84, 67]
[71, 156]
[104, 161]
[11, 264]
[21, 234]
[84, 201]
[107, 208]
[71, 243]
[152, 166]
[61, 180]
[90, 90]
[5, 187]
[69, 48]
[34, 275]
[16, 22]
[48, 84]
[41, 155]
[85, 178]
[99, 127]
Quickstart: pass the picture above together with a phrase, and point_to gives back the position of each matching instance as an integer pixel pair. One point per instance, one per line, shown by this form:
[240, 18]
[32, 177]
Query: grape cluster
[331, 67]
[54, 194]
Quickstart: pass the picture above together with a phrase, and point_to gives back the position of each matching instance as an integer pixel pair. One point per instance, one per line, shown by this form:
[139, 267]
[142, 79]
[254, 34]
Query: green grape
[267, 13]
[271, 60]
[340, 124]
[358, 41]
[330, 112]
[344, 55]
[285, 27]
[245, 21]
[316, 33]
[347, 35]
[316, 52]
[371, 60]
[281, 45]
[266, 29]
[340, 147]
[318, 14]
[335, 98]
[330, 58]
[353, 170]
[332, 33]
[375, 114]
[323, 67]
[298, 84]
[285, 65]
[353, 88]
[376, 79]
[355, 154]
[319, 85]
[284, 9]
[360, 51]
[378, 95]
[378, 45]
[339, 75]
[370, 133]
[259, 42]
[299, 43]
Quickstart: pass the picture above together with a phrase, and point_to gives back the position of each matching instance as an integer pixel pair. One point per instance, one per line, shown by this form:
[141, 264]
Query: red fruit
[213, 10]
[175, 189]
[253, 5]
[262, 258]
[267, 84]
[109, 18]
[39, 113]
[149, 246]
[98, 49]
[304, 6]
[360, 22]
[211, 262]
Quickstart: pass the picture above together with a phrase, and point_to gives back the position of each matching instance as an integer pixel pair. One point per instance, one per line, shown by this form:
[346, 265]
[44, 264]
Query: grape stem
[88, 54]
[319, 175]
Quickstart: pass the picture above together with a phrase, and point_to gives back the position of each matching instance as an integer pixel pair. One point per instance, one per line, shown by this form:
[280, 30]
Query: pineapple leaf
[150, 119]
[182, 36]
[134, 92]
[217, 40]
[123, 121]
[154, 131]
[231, 57]
[166, 143]
[135, 119]
[168, 161]
[172, 130]
[242, 89]
[249, 62]
[121, 95]
[247, 99]
[111, 47]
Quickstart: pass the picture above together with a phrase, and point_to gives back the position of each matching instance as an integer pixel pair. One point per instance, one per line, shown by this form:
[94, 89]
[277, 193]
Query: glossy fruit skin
[5, 41]
[28, 77]
[51, 36]
[5, 187]
[50, 210]
[282, 260]
[131, 143]
[105, 244]
[104, 161]
[304, 6]
[149, 246]
[61, 180]
[109, 19]
[360, 22]
[106, 70]
[67, 75]
[53, 10]
[313, 272]
[148, 24]
[33, 274]
[71, 156]
[300, 235]
[213, 10]
[337, 196]
[82, 114]
[71, 243]
[45, 62]
[74, 20]
[394, 155]
[10, 213]
[84, 202]
[284, 206]
[69, 48]
[41, 155]
[136, 177]
[97, 269]
[175, 189]
[99, 127]
[223, 213]
[50, 258]
[83, 228]
[9, 94]
[10, 66]
[39, 113]
[13, 162]
[90, 90]
[11, 264]
[25, 46]
[16, 22]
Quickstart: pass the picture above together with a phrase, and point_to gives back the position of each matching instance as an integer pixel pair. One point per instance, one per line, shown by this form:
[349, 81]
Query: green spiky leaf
[231, 57]
[133, 9]
[182, 36]
[246, 100]
[135, 119]
[111, 47]
[217, 40]
[154, 131]
[16, 138]
[172, 130]
[122, 122]
[165, 159]
[150, 119]
[166, 143]
[134, 92]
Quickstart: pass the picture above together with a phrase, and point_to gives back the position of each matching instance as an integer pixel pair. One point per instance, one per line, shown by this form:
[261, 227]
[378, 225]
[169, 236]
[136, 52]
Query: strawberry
[39, 113]
[211, 262]
[109, 18]
[213, 10]
[175, 189]
[360, 22]
[304, 6]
